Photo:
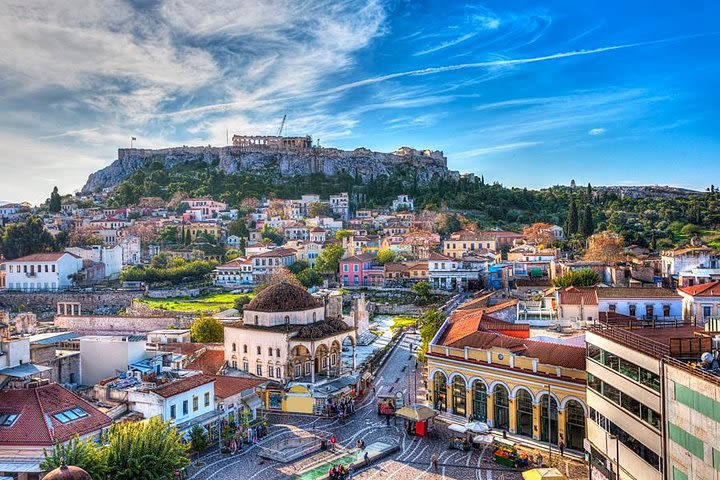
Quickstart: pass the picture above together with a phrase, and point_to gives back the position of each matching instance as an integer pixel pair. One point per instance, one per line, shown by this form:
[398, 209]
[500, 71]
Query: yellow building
[467, 242]
[504, 380]
[198, 229]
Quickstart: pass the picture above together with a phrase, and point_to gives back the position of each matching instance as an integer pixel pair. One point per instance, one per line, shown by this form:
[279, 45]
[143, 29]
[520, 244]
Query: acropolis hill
[287, 156]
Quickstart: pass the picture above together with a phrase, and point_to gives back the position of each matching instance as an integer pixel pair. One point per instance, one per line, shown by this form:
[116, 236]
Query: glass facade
[642, 451]
[458, 396]
[548, 420]
[622, 366]
[626, 402]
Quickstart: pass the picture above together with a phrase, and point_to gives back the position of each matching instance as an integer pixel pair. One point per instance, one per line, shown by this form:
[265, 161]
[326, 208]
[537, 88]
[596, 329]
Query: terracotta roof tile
[209, 362]
[183, 385]
[226, 386]
[36, 425]
[577, 296]
[710, 289]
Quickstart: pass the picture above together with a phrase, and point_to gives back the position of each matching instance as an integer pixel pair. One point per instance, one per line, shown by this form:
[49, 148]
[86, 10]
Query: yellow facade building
[527, 387]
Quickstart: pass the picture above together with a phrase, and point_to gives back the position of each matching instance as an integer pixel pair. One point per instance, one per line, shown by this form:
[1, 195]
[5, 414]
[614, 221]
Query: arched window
[479, 401]
[244, 348]
[259, 351]
[501, 398]
[277, 352]
[439, 391]
[270, 351]
[524, 404]
[234, 347]
[458, 396]
[314, 316]
[271, 371]
[574, 424]
[548, 419]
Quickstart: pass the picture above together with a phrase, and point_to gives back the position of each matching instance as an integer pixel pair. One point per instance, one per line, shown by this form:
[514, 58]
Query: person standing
[434, 461]
[561, 446]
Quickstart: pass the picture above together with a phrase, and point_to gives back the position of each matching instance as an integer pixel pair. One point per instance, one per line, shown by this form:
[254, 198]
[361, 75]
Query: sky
[526, 93]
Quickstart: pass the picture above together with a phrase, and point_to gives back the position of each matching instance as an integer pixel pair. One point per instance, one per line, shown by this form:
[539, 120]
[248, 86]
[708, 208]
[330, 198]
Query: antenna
[282, 125]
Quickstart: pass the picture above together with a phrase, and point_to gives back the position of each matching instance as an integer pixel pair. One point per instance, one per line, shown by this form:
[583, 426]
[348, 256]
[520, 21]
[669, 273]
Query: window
[277, 372]
[625, 401]
[277, 352]
[270, 351]
[631, 310]
[196, 403]
[686, 440]
[246, 366]
[678, 474]
[307, 368]
[666, 310]
[257, 320]
[173, 413]
[258, 370]
[206, 399]
[185, 407]
[612, 307]
[287, 320]
[244, 348]
[8, 419]
[270, 371]
[259, 350]
[234, 347]
[70, 415]
[649, 310]
[298, 372]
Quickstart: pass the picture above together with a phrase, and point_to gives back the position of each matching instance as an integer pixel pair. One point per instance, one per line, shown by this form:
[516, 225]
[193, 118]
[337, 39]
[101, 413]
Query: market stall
[418, 419]
[543, 474]
[506, 454]
[460, 440]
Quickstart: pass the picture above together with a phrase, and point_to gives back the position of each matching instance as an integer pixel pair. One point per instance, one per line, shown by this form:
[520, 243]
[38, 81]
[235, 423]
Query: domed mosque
[287, 335]
[65, 472]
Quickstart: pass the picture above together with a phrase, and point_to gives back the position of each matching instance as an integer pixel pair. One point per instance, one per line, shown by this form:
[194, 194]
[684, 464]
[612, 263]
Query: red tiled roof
[209, 362]
[439, 256]
[278, 252]
[36, 426]
[236, 263]
[226, 386]
[363, 257]
[43, 257]
[577, 296]
[183, 385]
[710, 289]
[183, 348]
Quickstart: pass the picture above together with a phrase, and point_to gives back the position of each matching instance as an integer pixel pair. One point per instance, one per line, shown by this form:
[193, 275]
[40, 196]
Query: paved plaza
[412, 461]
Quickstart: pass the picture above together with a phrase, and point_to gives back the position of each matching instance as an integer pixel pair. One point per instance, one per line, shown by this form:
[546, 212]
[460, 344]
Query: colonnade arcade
[518, 410]
[313, 359]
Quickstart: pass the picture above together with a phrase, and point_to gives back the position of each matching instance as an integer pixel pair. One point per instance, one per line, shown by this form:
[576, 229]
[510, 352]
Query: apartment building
[628, 422]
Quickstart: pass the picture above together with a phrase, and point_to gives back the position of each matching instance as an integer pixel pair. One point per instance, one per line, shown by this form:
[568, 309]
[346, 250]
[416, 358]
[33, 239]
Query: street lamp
[549, 414]
[617, 454]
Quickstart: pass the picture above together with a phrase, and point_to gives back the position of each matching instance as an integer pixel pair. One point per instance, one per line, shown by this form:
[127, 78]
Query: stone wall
[116, 325]
[43, 304]
[143, 310]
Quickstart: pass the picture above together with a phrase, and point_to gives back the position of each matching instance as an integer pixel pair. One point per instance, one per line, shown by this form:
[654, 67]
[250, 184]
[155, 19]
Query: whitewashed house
[42, 271]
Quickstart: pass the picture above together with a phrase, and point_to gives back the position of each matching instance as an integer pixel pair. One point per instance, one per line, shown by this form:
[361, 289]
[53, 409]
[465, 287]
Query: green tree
[571, 224]
[151, 450]
[317, 209]
[430, 322]
[328, 261]
[199, 441]
[55, 201]
[20, 239]
[422, 289]
[310, 277]
[584, 277]
[207, 330]
[587, 227]
[85, 454]
[343, 234]
[238, 228]
[242, 300]
[298, 267]
[446, 223]
[385, 256]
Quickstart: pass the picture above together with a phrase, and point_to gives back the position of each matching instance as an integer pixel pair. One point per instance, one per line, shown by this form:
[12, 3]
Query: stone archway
[479, 396]
[501, 405]
[440, 391]
[524, 413]
[574, 425]
[548, 419]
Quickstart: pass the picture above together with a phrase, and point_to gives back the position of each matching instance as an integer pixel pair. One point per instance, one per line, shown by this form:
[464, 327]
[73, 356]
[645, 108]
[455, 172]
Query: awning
[366, 375]
[416, 413]
[20, 467]
[477, 427]
[543, 474]
[253, 402]
[457, 428]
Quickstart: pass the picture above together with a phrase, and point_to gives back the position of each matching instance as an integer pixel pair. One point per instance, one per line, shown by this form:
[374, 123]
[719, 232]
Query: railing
[708, 377]
[630, 339]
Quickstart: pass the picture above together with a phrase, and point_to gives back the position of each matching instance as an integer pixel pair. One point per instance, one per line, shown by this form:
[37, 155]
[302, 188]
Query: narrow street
[412, 461]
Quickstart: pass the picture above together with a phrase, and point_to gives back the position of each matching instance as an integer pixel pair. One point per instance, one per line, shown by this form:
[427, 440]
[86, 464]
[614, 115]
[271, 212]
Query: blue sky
[525, 93]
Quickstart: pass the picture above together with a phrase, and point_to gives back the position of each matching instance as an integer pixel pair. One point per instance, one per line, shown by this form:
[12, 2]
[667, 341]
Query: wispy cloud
[482, 151]
[596, 131]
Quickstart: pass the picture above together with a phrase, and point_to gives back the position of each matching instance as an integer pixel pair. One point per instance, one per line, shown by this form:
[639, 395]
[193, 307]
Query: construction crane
[282, 125]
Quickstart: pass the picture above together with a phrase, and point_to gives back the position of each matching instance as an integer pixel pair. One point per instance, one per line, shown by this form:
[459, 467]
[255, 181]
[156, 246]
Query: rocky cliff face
[288, 162]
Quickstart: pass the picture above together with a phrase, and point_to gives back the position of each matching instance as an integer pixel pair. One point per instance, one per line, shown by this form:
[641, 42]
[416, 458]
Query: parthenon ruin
[271, 141]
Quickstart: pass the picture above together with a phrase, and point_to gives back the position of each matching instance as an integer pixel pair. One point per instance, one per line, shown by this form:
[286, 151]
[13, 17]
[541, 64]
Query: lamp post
[617, 455]
[549, 427]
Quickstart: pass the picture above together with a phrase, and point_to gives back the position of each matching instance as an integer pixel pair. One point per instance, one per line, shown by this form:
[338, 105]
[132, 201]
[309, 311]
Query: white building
[42, 271]
[649, 303]
[340, 205]
[169, 336]
[268, 263]
[701, 302]
[131, 249]
[403, 202]
[184, 402]
[688, 258]
[235, 273]
[285, 335]
[447, 273]
[103, 356]
[111, 257]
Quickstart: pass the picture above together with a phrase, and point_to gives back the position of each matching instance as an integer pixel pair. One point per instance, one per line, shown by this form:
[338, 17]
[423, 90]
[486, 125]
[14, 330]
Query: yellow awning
[543, 474]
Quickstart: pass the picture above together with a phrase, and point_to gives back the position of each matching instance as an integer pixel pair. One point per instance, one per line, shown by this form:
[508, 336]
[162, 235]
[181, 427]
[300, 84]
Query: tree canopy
[207, 330]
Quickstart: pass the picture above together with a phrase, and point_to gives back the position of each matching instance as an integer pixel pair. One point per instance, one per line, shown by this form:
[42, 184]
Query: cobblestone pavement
[413, 461]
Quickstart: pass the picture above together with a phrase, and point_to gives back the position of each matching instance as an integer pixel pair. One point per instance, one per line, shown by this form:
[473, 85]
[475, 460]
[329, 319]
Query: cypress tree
[55, 202]
[586, 225]
[571, 225]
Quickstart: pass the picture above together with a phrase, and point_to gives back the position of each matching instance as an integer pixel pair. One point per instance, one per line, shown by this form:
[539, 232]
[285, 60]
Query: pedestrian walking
[561, 445]
[434, 461]
[366, 457]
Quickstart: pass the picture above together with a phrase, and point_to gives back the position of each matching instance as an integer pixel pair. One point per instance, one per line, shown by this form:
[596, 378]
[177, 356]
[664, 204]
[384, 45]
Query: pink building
[361, 270]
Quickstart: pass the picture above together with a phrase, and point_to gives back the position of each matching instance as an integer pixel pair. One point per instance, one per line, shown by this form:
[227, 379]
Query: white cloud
[479, 152]
[596, 131]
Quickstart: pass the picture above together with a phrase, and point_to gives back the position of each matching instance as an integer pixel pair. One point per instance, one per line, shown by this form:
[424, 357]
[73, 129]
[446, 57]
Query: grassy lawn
[403, 321]
[214, 303]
